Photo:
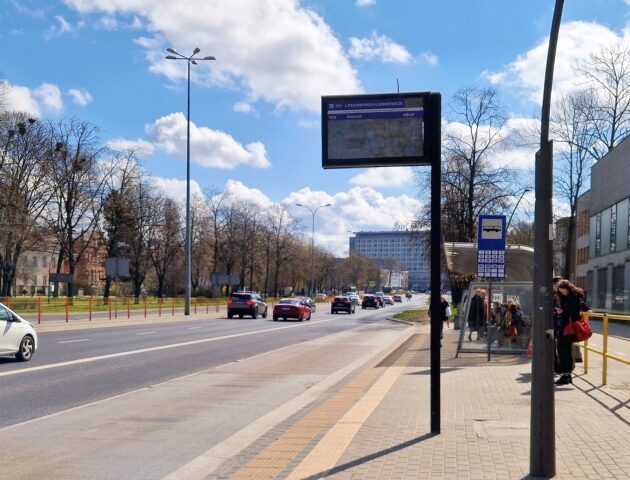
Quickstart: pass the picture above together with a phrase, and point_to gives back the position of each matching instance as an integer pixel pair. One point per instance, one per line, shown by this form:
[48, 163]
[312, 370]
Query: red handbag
[510, 331]
[580, 329]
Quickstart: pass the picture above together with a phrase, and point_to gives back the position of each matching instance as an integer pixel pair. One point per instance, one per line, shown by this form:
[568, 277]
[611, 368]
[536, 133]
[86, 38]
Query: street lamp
[187, 268]
[313, 212]
[525, 190]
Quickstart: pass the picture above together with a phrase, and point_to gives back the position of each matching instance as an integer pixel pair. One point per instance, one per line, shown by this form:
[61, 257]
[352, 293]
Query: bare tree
[572, 128]
[471, 185]
[78, 178]
[608, 106]
[166, 241]
[281, 234]
[24, 190]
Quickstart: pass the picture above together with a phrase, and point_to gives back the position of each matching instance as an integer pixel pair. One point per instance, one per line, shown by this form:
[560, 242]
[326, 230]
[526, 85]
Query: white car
[388, 300]
[17, 336]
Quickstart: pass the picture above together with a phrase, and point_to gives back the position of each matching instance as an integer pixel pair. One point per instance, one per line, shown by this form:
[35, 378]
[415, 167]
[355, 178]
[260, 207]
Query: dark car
[246, 303]
[291, 308]
[341, 304]
[370, 301]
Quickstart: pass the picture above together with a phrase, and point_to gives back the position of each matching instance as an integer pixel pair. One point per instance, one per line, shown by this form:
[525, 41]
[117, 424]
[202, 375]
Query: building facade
[410, 249]
[606, 272]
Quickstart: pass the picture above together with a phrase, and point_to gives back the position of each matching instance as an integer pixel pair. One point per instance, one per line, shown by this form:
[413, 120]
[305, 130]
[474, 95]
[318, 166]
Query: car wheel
[362, 307]
[301, 318]
[230, 315]
[27, 347]
[264, 315]
[254, 313]
[275, 319]
[309, 316]
[240, 316]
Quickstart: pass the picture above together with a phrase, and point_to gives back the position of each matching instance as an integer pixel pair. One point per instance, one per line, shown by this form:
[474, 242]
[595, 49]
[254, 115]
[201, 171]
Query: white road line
[194, 328]
[145, 333]
[75, 341]
[155, 349]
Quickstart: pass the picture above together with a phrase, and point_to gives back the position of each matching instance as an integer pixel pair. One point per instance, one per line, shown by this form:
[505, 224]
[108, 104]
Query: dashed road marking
[76, 341]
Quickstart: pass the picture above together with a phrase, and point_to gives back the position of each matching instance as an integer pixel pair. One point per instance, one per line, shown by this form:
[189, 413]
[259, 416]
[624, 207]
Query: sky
[255, 110]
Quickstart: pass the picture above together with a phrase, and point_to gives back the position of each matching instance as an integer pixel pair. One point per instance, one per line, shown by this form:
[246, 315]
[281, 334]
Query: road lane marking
[145, 333]
[194, 328]
[155, 349]
[75, 341]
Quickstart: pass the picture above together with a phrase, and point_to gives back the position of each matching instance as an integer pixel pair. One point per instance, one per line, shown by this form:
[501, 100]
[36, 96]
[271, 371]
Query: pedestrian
[570, 298]
[445, 311]
[477, 314]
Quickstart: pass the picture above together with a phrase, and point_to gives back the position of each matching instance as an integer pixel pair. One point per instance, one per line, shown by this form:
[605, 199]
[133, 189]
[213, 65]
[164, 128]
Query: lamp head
[209, 58]
[171, 57]
[196, 50]
[171, 50]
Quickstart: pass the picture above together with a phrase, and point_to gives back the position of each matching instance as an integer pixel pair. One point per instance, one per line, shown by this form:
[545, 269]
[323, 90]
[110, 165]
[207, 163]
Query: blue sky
[255, 110]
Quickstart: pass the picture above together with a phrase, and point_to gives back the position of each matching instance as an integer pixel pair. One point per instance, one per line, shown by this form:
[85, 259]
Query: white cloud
[176, 189]
[279, 51]
[576, 41]
[108, 22]
[244, 107]
[430, 58]
[80, 96]
[141, 147]
[379, 47]
[50, 96]
[20, 99]
[358, 208]
[367, 3]
[389, 177]
[208, 148]
[238, 191]
[63, 26]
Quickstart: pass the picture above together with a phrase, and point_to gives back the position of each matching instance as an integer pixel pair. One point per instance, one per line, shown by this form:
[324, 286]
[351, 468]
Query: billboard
[377, 130]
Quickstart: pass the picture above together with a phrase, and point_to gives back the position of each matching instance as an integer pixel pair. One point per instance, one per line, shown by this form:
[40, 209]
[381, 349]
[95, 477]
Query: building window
[598, 234]
[618, 287]
[613, 228]
[602, 287]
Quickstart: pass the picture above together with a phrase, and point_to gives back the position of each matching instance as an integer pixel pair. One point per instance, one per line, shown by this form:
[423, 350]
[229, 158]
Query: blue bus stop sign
[491, 240]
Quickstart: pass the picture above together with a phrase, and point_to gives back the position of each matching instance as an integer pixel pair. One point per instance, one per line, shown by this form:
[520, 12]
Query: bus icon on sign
[493, 228]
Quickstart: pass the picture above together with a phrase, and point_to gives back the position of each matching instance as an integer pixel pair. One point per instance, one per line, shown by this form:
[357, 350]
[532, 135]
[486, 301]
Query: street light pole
[515, 207]
[188, 243]
[313, 212]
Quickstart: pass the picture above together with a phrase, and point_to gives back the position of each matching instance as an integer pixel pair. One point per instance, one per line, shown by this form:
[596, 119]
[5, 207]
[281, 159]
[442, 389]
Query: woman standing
[570, 298]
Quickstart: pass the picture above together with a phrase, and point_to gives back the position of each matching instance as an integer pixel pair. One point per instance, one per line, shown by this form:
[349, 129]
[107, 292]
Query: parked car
[291, 308]
[310, 302]
[17, 336]
[246, 303]
[341, 304]
[397, 298]
[388, 300]
[370, 301]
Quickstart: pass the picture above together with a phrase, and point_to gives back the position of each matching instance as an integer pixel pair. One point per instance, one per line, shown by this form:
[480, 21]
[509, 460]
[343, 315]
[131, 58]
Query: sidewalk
[375, 424]
[383, 432]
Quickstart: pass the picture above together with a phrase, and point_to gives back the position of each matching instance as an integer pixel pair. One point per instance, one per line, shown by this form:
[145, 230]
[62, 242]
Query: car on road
[370, 301]
[341, 303]
[397, 298]
[17, 336]
[379, 296]
[388, 300]
[246, 303]
[321, 297]
[291, 308]
[354, 298]
[310, 302]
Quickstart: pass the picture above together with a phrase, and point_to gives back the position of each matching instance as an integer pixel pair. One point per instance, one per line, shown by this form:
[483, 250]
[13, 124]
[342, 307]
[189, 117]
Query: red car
[291, 308]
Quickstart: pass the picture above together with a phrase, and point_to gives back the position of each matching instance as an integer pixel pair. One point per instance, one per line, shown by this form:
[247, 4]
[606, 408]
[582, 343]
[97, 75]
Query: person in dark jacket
[477, 314]
[570, 300]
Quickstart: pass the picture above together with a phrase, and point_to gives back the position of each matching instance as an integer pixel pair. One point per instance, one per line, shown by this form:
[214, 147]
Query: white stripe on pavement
[75, 341]
[155, 349]
[145, 333]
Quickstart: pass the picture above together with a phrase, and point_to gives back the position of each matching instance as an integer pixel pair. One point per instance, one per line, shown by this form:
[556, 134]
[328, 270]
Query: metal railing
[606, 355]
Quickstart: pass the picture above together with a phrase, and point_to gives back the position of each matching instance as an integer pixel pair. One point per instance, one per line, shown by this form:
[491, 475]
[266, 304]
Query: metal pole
[310, 293]
[542, 462]
[433, 140]
[187, 269]
[512, 214]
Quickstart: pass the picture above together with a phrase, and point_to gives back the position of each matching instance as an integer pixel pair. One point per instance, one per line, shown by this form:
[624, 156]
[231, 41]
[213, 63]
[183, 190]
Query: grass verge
[416, 316]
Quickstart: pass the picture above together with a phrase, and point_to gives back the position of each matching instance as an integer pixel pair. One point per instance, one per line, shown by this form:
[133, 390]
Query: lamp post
[525, 190]
[187, 247]
[313, 212]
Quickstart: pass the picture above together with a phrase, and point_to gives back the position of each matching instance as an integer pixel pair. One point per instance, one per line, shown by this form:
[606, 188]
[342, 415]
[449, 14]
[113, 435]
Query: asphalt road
[77, 367]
